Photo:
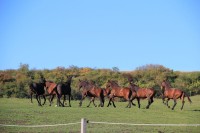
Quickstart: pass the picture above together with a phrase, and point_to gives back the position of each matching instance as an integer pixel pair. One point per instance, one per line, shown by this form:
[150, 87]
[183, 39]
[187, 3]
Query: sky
[46, 34]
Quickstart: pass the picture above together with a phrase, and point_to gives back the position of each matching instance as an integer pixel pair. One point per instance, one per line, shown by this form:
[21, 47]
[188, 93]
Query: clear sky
[100, 34]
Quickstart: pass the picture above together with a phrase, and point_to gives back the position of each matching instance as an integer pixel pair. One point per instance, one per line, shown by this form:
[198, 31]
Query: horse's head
[165, 85]
[111, 83]
[82, 84]
[42, 81]
[108, 84]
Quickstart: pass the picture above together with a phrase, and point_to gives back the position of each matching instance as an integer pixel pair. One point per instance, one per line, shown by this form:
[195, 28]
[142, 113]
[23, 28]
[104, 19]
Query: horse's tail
[185, 95]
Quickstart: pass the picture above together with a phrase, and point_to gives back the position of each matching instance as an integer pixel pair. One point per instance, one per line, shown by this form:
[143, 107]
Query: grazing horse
[143, 93]
[91, 90]
[38, 90]
[117, 91]
[172, 93]
[64, 89]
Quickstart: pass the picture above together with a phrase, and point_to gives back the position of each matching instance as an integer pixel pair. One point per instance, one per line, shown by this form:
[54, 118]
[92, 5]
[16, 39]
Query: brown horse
[38, 90]
[91, 90]
[51, 88]
[117, 91]
[143, 93]
[173, 93]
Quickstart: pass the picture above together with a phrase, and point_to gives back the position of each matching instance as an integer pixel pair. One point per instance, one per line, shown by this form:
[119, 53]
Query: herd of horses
[90, 89]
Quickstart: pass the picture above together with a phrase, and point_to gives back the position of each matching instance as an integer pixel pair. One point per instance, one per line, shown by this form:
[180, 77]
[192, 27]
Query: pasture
[21, 112]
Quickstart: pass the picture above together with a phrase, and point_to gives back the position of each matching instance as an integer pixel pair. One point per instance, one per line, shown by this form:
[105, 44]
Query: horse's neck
[116, 86]
[135, 87]
[88, 86]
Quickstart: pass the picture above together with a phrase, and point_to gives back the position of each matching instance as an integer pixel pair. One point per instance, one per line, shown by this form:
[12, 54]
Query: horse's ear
[79, 80]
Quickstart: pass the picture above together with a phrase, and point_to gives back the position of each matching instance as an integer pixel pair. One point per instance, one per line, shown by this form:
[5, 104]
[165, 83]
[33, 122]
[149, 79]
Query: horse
[143, 93]
[91, 90]
[117, 91]
[64, 89]
[38, 90]
[173, 93]
[51, 89]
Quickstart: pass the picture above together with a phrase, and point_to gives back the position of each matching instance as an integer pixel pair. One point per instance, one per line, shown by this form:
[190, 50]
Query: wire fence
[85, 122]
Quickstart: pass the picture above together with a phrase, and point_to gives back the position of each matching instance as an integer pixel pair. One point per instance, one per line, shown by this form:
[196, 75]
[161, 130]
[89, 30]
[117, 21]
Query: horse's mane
[50, 81]
[113, 82]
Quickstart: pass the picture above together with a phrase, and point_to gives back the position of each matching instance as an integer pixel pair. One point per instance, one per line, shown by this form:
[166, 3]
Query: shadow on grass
[196, 110]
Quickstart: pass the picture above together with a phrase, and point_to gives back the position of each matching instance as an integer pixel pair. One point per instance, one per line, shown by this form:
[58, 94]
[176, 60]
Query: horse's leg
[83, 97]
[101, 98]
[109, 103]
[69, 100]
[167, 103]
[174, 104]
[64, 100]
[51, 99]
[182, 99]
[113, 103]
[132, 102]
[149, 103]
[31, 95]
[37, 97]
[93, 102]
[129, 104]
[90, 102]
[40, 99]
[58, 100]
[44, 99]
[163, 99]
[138, 100]
[182, 104]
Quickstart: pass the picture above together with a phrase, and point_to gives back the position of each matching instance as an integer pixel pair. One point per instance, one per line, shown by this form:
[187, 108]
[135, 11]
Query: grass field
[21, 112]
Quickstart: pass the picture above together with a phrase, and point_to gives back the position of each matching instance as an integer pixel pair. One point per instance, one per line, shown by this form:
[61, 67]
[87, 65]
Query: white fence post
[83, 125]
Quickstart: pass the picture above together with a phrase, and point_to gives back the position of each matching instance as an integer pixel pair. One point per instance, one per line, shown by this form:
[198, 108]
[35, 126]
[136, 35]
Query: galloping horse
[173, 93]
[38, 89]
[64, 89]
[117, 91]
[91, 90]
[51, 88]
[143, 93]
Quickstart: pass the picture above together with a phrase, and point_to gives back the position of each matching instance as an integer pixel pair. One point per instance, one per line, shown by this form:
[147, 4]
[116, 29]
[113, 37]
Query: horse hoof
[168, 106]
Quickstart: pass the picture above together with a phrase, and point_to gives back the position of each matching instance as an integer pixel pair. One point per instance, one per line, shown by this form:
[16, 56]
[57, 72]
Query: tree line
[15, 83]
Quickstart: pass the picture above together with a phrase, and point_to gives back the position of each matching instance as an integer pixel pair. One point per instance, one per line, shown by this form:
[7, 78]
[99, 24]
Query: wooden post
[83, 125]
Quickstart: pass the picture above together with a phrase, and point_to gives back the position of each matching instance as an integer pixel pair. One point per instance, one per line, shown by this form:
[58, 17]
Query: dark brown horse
[90, 89]
[38, 90]
[64, 89]
[117, 91]
[173, 93]
[143, 93]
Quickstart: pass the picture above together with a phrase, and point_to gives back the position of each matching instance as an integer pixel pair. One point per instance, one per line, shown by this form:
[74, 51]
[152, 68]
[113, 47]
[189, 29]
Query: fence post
[83, 125]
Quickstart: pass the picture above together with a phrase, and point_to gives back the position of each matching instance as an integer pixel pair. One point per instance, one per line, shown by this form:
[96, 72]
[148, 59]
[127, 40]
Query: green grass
[21, 112]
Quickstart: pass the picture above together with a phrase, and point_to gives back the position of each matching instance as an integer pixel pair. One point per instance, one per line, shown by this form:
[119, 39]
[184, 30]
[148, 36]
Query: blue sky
[100, 34]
